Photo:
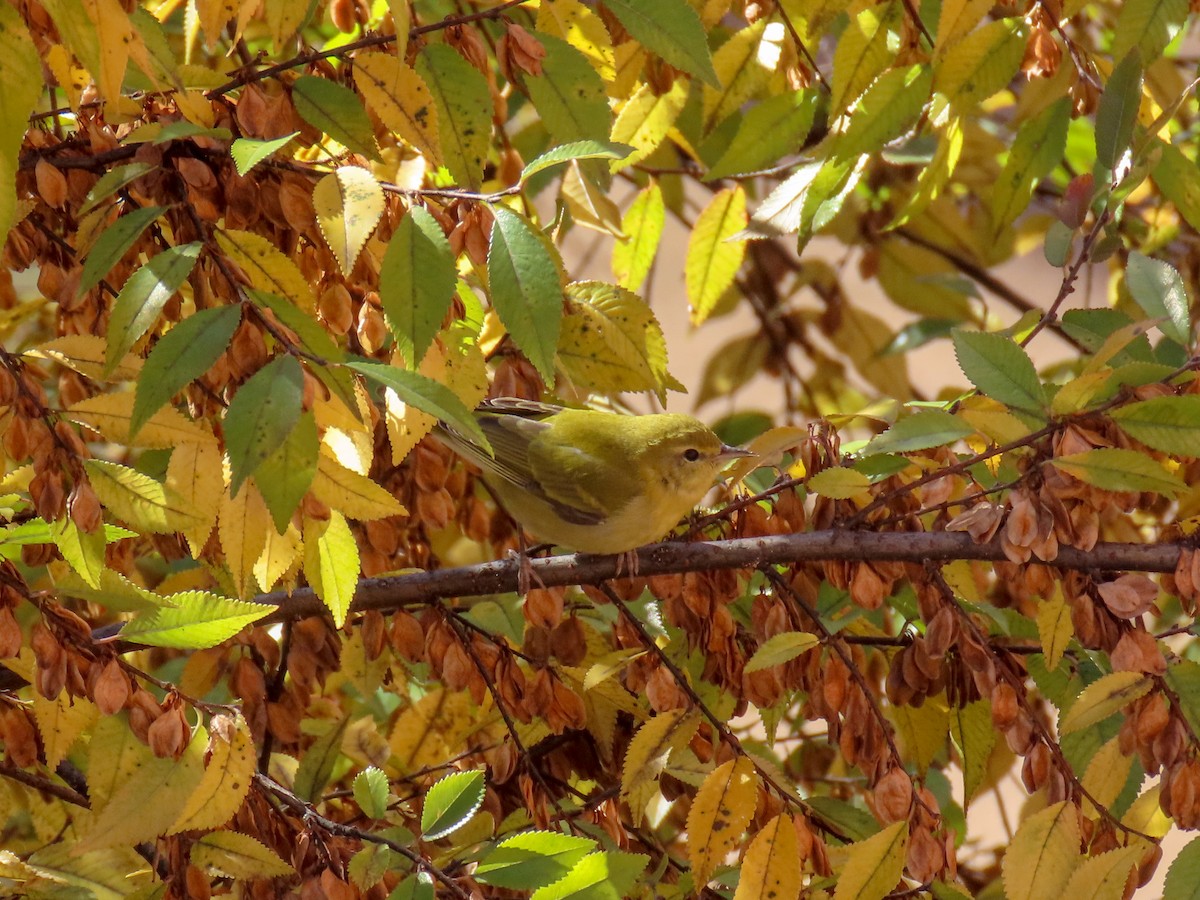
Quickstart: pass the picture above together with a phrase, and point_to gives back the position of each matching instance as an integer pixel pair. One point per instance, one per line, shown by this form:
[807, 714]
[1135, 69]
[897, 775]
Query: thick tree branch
[744, 553]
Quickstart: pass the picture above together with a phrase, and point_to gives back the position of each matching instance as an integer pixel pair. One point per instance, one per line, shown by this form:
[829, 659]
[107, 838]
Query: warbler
[592, 481]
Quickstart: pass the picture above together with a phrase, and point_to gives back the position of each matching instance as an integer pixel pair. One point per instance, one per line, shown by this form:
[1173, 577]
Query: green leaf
[371, 792]
[643, 225]
[1148, 25]
[316, 766]
[261, 416]
[1094, 327]
[887, 110]
[1120, 470]
[313, 336]
[525, 289]
[1117, 112]
[142, 298]
[195, 620]
[610, 875]
[585, 149]
[532, 859]
[416, 283]
[1183, 876]
[337, 111]
[135, 497]
[982, 63]
[671, 29]
[182, 355]
[569, 95]
[1169, 424]
[1159, 290]
[284, 477]
[770, 130]
[925, 429]
[1175, 176]
[111, 182]
[450, 803]
[1036, 151]
[464, 106]
[418, 886]
[426, 395]
[114, 242]
[780, 649]
[1000, 369]
[1183, 677]
[248, 153]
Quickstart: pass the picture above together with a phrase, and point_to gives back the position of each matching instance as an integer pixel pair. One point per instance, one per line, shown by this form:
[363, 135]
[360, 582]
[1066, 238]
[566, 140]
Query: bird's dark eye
[691, 454]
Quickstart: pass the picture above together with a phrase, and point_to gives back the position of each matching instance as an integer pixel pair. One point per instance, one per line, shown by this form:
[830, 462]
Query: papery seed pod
[1005, 705]
[569, 641]
[51, 184]
[110, 688]
[892, 796]
[407, 637]
[19, 737]
[10, 634]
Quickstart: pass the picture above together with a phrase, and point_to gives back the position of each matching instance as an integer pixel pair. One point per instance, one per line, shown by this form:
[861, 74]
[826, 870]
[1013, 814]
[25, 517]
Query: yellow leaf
[712, 259]
[982, 63]
[85, 354]
[1043, 854]
[862, 54]
[873, 866]
[283, 18]
[348, 204]
[645, 119]
[1107, 773]
[1103, 877]
[610, 340]
[115, 35]
[1103, 697]
[401, 99]
[771, 867]
[267, 268]
[839, 483]
[647, 754]
[922, 729]
[432, 729]
[60, 722]
[194, 474]
[242, 528]
[115, 756]
[110, 415]
[582, 29]
[331, 563]
[226, 778]
[238, 856]
[588, 203]
[743, 64]
[70, 77]
[643, 223]
[455, 361]
[355, 496]
[214, 16]
[280, 554]
[957, 18]
[720, 813]
[139, 500]
[1054, 628]
[144, 807]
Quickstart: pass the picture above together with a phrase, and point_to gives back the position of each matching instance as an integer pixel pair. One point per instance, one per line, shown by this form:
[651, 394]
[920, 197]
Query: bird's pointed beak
[730, 453]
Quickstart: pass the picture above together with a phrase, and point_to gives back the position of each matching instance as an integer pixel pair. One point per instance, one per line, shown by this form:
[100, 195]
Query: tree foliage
[251, 639]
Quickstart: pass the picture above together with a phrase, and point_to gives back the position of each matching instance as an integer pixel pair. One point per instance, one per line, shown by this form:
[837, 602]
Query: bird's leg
[525, 574]
[627, 564]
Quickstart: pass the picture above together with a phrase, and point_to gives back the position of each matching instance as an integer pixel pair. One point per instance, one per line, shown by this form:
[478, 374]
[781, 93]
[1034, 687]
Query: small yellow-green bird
[592, 481]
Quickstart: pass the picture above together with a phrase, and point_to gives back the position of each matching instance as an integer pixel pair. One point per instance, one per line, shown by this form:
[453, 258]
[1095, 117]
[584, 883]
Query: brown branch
[312, 818]
[45, 785]
[671, 557]
[375, 40]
